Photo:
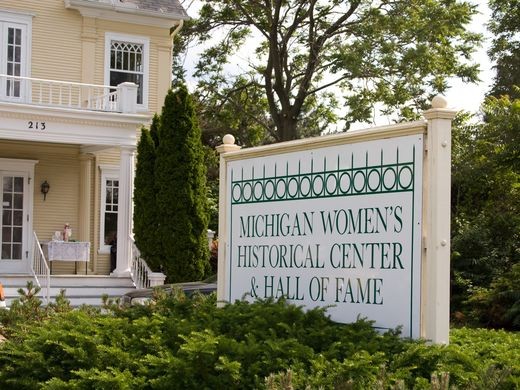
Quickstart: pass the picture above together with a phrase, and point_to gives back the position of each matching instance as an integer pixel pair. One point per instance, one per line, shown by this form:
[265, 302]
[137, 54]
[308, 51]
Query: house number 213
[36, 125]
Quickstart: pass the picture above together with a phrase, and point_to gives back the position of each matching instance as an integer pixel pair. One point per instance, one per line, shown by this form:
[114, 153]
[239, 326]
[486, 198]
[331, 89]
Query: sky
[469, 96]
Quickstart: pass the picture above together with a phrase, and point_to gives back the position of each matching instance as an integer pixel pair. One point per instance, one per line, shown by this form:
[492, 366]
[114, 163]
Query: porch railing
[68, 94]
[40, 269]
[142, 275]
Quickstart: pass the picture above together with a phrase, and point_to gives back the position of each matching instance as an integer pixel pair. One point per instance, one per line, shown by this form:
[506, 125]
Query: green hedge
[180, 343]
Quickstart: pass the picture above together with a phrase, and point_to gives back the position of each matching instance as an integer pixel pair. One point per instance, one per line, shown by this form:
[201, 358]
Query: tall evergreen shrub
[145, 216]
[180, 182]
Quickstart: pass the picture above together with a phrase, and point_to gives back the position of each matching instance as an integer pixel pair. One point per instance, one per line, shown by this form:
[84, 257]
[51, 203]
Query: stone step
[75, 301]
[68, 280]
[65, 281]
[91, 281]
[72, 290]
[79, 290]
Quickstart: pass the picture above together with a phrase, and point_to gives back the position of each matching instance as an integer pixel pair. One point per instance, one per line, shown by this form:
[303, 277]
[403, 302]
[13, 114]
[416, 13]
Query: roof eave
[84, 5]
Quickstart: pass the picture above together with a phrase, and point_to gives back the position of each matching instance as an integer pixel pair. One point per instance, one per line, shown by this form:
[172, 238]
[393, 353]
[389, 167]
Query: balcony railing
[42, 92]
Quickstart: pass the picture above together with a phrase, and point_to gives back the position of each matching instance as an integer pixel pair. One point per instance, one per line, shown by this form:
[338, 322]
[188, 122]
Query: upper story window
[127, 60]
[15, 41]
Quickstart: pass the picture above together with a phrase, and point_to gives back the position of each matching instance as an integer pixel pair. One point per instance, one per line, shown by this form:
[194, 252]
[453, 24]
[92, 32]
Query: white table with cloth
[75, 251]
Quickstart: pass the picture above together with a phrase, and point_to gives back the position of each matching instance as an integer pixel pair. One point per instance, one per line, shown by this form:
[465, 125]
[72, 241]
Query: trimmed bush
[145, 210]
[180, 183]
[180, 343]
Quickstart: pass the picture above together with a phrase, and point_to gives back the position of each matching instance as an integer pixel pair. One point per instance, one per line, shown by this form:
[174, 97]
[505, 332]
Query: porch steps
[79, 289]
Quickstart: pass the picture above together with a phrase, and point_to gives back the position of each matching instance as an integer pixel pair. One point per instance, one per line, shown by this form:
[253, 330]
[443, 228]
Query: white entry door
[15, 234]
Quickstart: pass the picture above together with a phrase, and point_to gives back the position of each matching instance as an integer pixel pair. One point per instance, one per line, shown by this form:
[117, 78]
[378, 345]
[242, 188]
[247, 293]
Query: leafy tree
[486, 178]
[505, 46]
[486, 213]
[307, 53]
[145, 216]
[180, 183]
[220, 115]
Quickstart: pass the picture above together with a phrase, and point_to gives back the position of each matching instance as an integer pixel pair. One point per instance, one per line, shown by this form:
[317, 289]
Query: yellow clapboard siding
[56, 53]
[57, 46]
[59, 165]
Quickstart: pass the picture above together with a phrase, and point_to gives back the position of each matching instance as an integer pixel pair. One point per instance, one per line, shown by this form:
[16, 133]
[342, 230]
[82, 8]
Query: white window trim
[107, 172]
[109, 37]
[24, 19]
[26, 168]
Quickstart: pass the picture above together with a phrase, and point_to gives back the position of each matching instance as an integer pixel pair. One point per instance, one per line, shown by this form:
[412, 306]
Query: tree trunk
[287, 129]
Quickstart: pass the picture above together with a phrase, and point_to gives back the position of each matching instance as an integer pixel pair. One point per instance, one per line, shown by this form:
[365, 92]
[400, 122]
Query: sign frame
[432, 320]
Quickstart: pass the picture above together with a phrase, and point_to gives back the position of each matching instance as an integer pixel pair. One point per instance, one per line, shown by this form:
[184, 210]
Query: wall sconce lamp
[45, 189]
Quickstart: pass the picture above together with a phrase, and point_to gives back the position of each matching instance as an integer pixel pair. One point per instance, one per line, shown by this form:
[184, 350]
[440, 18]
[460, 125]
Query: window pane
[17, 235]
[18, 184]
[18, 38]
[10, 53]
[18, 201]
[110, 227]
[117, 78]
[6, 251]
[108, 197]
[17, 251]
[6, 234]
[126, 60]
[10, 36]
[119, 60]
[139, 82]
[116, 196]
[16, 91]
[132, 62]
[8, 200]
[139, 63]
[8, 184]
[6, 217]
[112, 59]
[18, 54]
[18, 218]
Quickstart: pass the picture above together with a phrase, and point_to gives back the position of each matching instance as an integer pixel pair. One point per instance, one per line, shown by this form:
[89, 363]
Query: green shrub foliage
[170, 195]
[145, 211]
[180, 183]
[486, 217]
[180, 343]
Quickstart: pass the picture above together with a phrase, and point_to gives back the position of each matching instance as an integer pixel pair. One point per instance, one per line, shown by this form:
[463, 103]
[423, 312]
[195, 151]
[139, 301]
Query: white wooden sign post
[358, 222]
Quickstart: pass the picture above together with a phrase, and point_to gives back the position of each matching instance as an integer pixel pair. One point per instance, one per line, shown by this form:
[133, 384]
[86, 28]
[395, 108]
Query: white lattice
[126, 56]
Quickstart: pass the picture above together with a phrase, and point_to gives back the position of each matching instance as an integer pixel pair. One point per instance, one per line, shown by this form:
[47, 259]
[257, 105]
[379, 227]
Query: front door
[14, 240]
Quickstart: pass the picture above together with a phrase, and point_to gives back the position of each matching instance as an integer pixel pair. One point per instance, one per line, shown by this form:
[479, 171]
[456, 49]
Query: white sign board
[336, 226]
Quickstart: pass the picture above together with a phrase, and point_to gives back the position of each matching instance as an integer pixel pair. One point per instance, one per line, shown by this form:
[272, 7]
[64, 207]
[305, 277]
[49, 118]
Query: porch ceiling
[91, 129]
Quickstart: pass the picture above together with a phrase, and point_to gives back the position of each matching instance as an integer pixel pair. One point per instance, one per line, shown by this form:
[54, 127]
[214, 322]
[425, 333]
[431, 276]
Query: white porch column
[124, 211]
[85, 187]
[436, 224]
